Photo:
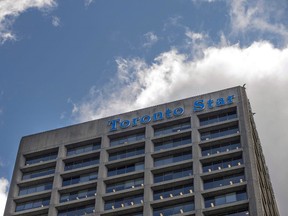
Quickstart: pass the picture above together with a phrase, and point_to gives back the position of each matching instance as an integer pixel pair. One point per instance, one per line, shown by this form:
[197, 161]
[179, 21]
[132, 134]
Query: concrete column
[57, 182]
[102, 174]
[148, 176]
[198, 201]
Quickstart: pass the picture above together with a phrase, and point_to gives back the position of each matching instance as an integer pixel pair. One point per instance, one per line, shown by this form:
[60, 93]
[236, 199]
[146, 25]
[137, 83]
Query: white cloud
[88, 2]
[247, 15]
[10, 10]
[173, 76]
[150, 39]
[55, 21]
[3, 194]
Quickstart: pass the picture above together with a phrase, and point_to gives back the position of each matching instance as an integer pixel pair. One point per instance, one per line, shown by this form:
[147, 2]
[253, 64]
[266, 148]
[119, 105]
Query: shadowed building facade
[199, 156]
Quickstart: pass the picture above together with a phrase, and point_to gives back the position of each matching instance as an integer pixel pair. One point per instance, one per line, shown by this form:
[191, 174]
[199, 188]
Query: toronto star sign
[198, 106]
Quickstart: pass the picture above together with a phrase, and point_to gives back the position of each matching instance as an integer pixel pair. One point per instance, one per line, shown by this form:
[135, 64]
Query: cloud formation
[150, 39]
[3, 194]
[10, 10]
[209, 66]
[55, 21]
[174, 75]
[258, 15]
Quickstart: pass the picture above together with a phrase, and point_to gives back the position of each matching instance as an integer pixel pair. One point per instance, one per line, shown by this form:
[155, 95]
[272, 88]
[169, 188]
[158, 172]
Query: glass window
[222, 164]
[133, 214]
[174, 209]
[127, 139]
[32, 204]
[173, 191]
[38, 173]
[35, 188]
[78, 195]
[126, 153]
[172, 143]
[83, 149]
[225, 198]
[79, 179]
[172, 128]
[173, 158]
[218, 117]
[81, 163]
[219, 132]
[221, 147]
[82, 210]
[175, 174]
[123, 202]
[126, 169]
[224, 180]
[231, 197]
[41, 158]
[134, 183]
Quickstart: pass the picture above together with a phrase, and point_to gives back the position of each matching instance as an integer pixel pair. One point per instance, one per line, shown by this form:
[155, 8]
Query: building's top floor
[125, 122]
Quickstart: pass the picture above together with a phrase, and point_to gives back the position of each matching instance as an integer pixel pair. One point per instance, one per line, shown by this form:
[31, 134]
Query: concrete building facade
[199, 156]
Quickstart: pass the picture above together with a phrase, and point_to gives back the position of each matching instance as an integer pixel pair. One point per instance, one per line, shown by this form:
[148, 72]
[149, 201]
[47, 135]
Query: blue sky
[63, 62]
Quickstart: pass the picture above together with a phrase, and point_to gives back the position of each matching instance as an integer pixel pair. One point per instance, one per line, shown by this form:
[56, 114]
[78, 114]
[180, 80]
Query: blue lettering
[125, 124]
[210, 103]
[178, 111]
[113, 124]
[220, 102]
[134, 121]
[168, 113]
[157, 116]
[145, 119]
[230, 99]
[199, 105]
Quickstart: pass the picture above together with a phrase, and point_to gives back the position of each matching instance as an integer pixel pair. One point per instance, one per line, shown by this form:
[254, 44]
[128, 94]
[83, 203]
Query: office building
[199, 156]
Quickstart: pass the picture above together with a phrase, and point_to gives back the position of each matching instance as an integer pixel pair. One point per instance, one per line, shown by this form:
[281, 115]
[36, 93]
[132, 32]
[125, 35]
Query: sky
[65, 62]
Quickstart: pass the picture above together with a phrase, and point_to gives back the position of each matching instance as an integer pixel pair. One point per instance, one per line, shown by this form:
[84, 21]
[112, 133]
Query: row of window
[134, 183]
[174, 158]
[138, 166]
[211, 149]
[176, 127]
[211, 201]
